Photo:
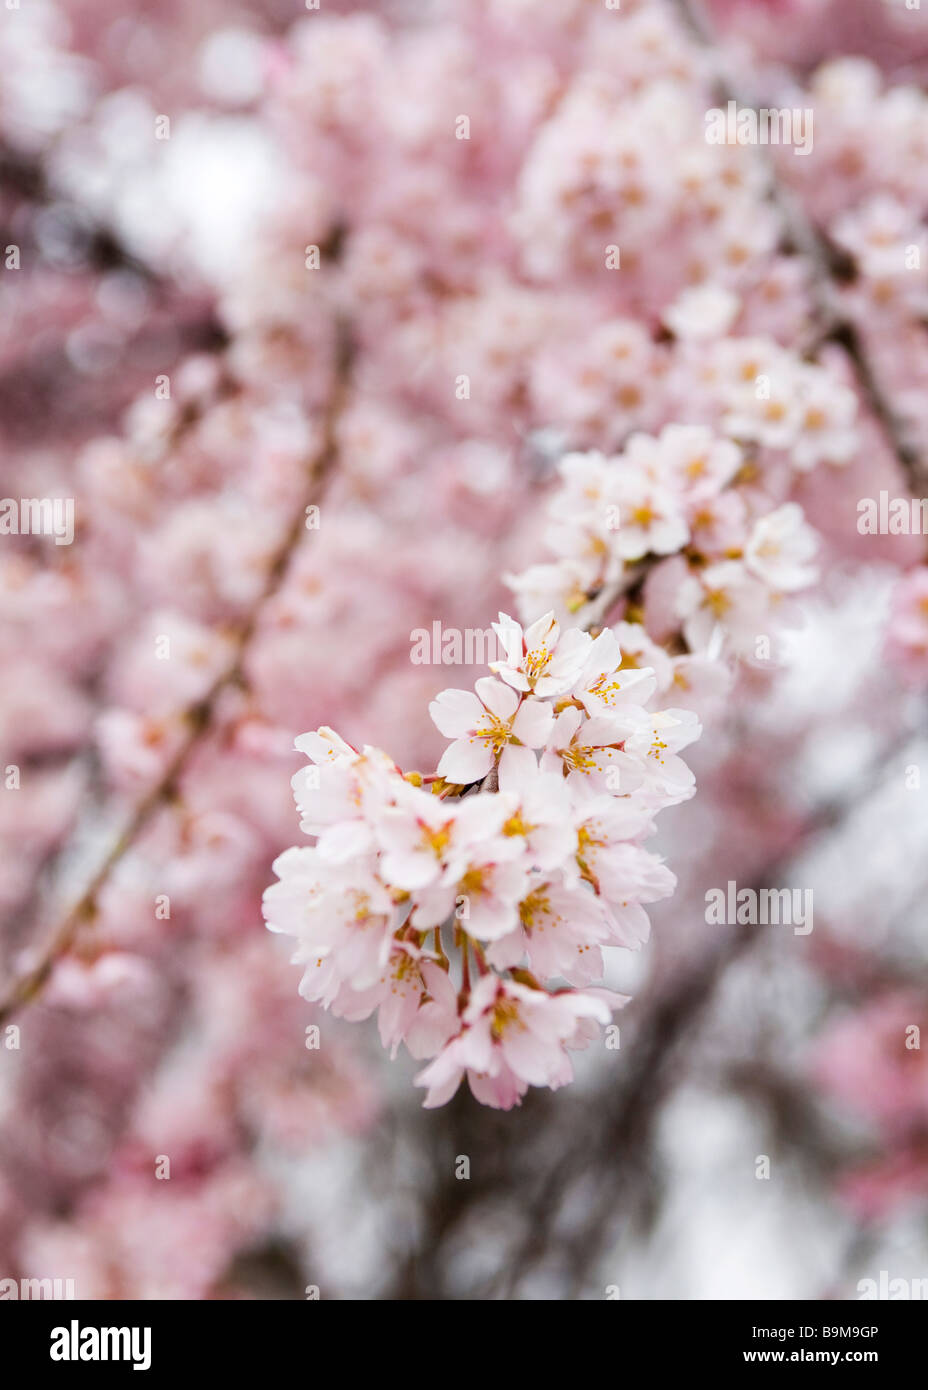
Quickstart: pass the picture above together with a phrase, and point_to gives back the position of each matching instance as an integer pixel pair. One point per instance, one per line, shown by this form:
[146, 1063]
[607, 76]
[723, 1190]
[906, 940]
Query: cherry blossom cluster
[535, 876]
[699, 496]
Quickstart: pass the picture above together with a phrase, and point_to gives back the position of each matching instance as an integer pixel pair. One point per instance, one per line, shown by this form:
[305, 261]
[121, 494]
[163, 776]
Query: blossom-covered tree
[333, 333]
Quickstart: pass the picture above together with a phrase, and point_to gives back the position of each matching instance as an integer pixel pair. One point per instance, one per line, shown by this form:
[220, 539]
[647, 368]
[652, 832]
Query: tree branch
[199, 716]
[827, 270]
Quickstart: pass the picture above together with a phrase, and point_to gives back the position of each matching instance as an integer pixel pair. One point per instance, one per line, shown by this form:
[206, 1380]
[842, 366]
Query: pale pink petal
[466, 761]
[534, 722]
[498, 698]
[456, 712]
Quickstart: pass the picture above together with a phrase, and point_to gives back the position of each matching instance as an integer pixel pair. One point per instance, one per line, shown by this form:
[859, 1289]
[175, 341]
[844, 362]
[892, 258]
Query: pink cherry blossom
[484, 724]
[513, 1037]
[540, 659]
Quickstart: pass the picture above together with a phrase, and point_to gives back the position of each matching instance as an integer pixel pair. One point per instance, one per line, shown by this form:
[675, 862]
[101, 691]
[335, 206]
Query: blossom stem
[463, 941]
[480, 958]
